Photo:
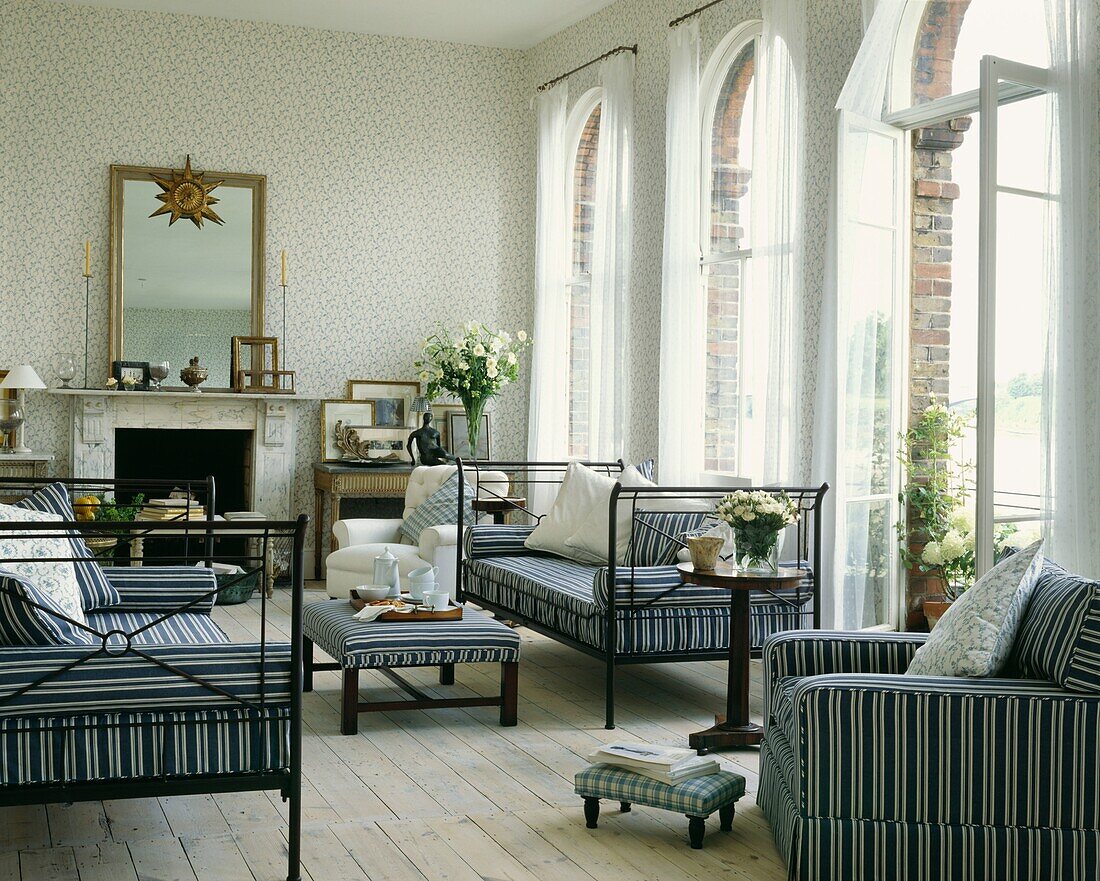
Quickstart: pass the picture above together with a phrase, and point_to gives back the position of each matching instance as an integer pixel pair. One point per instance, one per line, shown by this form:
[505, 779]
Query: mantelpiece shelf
[180, 393]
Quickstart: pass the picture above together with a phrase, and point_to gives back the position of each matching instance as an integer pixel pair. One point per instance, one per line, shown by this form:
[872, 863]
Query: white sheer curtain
[776, 217]
[1071, 393]
[848, 431]
[683, 302]
[609, 390]
[547, 437]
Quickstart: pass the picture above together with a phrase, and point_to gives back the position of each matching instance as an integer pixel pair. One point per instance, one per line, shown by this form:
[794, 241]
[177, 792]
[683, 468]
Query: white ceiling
[508, 24]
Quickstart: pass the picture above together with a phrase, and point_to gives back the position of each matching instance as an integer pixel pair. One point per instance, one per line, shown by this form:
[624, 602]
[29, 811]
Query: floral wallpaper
[399, 179]
[835, 30]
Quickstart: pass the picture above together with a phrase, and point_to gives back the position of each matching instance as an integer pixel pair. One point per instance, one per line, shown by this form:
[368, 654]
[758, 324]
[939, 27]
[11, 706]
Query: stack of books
[172, 509]
[668, 764]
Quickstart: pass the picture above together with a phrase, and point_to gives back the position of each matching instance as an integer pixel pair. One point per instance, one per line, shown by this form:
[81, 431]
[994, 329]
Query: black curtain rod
[550, 83]
[693, 13]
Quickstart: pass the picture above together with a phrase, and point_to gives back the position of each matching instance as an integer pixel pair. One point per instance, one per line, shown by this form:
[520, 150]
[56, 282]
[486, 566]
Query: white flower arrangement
[756, 517]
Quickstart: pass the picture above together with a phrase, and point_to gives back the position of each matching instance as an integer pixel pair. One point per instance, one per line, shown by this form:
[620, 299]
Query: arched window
[582, 140]
[727, 100]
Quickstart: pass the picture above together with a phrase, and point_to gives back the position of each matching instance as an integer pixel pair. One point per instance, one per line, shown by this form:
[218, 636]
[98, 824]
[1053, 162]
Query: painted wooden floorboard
[443, 795]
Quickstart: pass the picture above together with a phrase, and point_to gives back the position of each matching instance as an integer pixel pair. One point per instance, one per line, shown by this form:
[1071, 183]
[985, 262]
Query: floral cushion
[975, 635]
[51, 570]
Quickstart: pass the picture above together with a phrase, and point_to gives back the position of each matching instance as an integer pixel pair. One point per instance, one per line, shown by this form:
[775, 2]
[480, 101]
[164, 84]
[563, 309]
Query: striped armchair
[868, 774]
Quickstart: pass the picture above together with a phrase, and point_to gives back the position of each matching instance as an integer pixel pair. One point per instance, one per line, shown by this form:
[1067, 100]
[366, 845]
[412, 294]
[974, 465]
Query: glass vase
[755, 552]
[474, 407]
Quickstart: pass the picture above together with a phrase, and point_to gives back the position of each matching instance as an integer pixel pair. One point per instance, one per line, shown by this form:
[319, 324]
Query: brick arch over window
[934, 194]
[583, 210]
[727, 208]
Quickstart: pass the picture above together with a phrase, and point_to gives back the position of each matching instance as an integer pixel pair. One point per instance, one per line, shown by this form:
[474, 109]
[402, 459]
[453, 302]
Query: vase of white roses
[757, 519]
[473, 365]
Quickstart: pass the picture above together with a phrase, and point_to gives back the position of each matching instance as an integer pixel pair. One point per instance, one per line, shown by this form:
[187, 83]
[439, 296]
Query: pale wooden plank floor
[421, 796]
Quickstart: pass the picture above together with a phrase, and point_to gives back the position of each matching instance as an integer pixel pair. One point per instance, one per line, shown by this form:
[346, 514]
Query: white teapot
[385, 573]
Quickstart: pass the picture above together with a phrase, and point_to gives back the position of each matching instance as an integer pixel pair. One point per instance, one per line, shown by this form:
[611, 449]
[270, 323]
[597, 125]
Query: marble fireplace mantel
[95, 414]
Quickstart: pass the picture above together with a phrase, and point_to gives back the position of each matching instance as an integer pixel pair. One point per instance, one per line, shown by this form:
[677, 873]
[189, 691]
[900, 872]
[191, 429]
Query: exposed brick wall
[934, 195]
[584, 191]
[729, 185]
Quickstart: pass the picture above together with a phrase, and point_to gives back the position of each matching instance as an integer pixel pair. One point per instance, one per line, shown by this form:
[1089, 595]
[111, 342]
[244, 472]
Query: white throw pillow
[51, 576]
[581, 490]
[590, 538]
[974, 636]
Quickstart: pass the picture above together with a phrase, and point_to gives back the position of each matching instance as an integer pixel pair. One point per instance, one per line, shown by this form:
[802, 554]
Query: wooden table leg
[509, 693]
[734, 728]
[318, 530]
[349, 715]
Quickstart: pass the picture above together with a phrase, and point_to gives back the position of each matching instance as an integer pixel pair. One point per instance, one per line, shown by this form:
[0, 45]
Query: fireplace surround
[96, 415]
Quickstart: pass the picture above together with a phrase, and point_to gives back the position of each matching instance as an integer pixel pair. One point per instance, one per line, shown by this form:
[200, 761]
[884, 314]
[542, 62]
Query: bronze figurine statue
[428, 448]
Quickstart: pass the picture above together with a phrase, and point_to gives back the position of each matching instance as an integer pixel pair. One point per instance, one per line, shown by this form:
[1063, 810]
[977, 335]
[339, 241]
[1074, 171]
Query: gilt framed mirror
[187, 266]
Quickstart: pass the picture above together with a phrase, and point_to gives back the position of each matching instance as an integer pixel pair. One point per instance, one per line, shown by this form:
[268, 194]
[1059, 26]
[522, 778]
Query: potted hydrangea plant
[757, 518]
[474, 366]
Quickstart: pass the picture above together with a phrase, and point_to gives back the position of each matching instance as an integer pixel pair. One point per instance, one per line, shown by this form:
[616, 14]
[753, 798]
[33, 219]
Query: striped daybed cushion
[563, 595]
[67, 750]
[163, 588]
[151, 628]
[475, 638]
[102, 683]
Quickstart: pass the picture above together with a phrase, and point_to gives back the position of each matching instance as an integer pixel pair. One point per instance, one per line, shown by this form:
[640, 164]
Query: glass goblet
[66, 368]
[158, 372]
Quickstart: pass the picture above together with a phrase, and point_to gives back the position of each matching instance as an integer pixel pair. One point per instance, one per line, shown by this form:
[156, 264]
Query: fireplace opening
[189, 454]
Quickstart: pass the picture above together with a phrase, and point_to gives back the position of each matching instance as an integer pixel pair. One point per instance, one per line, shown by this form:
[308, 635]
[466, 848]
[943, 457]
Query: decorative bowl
[372, 592]
[194, 375]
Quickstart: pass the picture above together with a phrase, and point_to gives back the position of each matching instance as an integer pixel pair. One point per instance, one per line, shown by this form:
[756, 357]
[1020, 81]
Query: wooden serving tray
[454, 613]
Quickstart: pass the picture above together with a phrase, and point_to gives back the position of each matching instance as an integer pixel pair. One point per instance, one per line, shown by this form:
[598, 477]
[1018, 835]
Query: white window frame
[714, 76]
[1002, 82]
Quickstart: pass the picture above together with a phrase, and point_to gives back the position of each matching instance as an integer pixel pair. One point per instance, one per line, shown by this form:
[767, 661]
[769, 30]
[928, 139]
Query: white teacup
[439, 600]
[420, 580]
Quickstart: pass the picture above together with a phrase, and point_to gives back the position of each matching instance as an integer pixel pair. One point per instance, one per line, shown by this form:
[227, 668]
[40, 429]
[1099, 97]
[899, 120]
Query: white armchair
[361, 540]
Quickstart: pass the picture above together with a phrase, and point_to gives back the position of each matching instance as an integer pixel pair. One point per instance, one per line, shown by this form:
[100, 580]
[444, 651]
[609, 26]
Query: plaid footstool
[698, 798]
[475, 638]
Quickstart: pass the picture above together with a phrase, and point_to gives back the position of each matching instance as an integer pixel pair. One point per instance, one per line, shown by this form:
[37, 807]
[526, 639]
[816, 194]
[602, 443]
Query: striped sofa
[868, 774]
[130, 689]
[641, 612]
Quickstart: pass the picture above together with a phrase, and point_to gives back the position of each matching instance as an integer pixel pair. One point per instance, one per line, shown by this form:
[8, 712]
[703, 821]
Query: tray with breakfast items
[406, 608]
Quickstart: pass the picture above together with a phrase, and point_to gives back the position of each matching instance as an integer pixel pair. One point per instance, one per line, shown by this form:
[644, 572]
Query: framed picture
[460, 442]
[267, 382]
[135, 370]
[357, 415]
[441, 420]
[384, 444]
[252, 353]
[392, 400]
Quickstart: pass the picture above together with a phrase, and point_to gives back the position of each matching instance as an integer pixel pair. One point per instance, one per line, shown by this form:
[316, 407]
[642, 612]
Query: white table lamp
[22, 378]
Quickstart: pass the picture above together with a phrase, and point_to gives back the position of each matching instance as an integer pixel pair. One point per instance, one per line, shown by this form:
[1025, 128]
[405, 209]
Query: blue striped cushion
[163, 588]
[645, 468]
[128, 745]
[699, 797]
[439, 508]
[105, 684]
[489, 540]
[475, 638]
[24, 624]
[150, 628]
[655, 585]
[656, 539]
[1059, 637]
[95, 590]
[551, 580]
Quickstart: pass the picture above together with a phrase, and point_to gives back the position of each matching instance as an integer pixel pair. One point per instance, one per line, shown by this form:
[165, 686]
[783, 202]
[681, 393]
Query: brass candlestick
[87, 303]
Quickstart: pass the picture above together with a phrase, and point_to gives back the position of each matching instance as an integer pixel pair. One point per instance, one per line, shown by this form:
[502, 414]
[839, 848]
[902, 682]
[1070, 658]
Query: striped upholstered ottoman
[475, 638]
[698, 798]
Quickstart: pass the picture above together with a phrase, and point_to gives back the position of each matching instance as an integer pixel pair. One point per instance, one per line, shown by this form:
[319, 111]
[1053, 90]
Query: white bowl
[372, 592]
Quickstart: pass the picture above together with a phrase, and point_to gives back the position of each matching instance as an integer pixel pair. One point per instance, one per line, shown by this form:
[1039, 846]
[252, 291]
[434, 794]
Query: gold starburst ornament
[187, 195]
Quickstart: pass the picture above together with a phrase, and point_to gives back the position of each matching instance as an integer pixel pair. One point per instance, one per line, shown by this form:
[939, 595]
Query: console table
[350, 482]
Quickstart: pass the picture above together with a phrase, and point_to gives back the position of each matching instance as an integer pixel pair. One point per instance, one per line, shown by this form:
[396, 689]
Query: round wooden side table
[498, 506]
[735, 728]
